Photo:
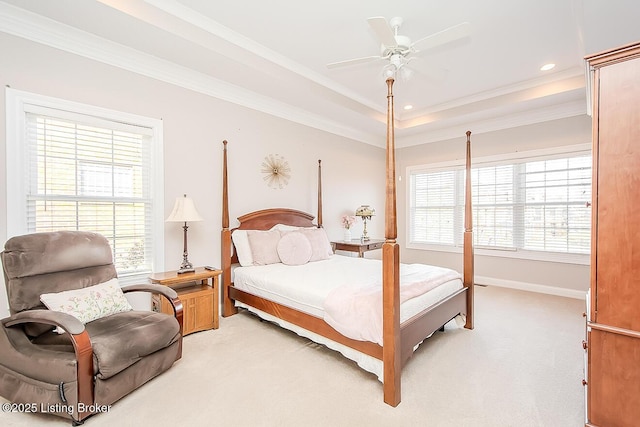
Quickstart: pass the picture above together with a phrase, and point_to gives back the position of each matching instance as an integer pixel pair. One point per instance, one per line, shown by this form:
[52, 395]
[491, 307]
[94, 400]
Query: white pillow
[264, 246]
[320, 245]
[285, 227]
[243, 249]
[90, 303]
[294, 248]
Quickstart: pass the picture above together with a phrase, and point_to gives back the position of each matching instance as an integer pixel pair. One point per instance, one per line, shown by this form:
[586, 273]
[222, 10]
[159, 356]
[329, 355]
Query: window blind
[527, 205]
[433, 208]
[92, 175]
[554, 210]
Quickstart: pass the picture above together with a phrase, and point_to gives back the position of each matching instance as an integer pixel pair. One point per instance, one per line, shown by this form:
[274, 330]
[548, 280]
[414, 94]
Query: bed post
[319, 193]
[228, 308]
[468, 277]
[391, 348]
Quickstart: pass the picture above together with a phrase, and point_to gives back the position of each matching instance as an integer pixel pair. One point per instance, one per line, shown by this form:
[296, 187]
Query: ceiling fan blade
[383, 31]
[432, 72]
[442, 37]
[354, 61]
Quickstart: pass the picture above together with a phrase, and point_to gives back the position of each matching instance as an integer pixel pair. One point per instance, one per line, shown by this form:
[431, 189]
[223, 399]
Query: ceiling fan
[397, 49]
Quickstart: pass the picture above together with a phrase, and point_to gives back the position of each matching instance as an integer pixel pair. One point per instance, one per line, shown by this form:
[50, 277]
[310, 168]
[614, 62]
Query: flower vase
[347, 235]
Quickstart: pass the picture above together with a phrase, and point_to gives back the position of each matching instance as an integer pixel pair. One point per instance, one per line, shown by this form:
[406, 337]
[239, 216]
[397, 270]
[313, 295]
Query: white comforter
[346, 291]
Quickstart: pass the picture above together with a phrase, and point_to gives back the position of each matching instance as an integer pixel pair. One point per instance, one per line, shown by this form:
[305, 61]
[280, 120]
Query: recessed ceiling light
[547, 67]
[408, 107]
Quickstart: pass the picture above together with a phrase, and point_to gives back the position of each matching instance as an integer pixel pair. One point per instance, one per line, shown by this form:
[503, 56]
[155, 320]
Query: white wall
[194, 127]
[564, 279]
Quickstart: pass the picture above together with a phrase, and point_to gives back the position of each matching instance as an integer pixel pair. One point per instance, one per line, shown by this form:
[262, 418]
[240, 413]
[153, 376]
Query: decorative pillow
[243, 249]
[320, 246]
[294, 248]
[264, 246]
[285, 227]
[90, 303]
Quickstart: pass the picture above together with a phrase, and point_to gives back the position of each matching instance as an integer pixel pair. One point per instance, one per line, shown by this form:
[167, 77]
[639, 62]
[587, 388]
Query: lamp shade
[184, 211]
[365, 211]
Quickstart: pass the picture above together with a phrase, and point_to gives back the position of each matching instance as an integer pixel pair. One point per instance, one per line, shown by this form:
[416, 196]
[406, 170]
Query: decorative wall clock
[276, 171]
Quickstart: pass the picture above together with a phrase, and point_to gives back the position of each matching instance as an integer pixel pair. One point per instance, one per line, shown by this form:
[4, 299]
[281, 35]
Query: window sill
[579, 259]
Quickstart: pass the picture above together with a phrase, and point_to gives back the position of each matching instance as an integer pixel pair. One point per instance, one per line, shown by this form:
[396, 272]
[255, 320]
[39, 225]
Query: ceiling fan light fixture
[397, 60]
[405, 73]
[389, 71]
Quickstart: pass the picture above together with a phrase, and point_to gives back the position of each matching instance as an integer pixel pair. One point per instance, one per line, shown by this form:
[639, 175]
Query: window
[432, 216]
[534, 207]
[88, 169]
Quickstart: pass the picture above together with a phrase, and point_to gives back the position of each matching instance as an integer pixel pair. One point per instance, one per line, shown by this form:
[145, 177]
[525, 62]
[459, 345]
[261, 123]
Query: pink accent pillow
[320, 246]
[294, 248]
[264, 246]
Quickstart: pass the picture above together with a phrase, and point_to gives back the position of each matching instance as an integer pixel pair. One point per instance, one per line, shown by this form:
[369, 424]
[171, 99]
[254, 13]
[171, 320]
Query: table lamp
[365, 212]
[184, 211]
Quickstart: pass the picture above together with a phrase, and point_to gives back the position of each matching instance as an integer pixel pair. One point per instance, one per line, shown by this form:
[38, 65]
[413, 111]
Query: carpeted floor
[521, 366]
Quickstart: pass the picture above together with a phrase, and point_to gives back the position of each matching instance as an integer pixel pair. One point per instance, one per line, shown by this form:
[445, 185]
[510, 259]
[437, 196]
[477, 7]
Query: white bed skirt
[366, 362]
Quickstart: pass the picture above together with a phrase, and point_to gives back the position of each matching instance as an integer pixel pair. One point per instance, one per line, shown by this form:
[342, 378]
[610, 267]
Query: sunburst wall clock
[276, 171]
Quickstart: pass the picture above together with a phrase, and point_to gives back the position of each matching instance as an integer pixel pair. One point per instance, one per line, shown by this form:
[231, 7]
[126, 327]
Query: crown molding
[196, 19]
[569, 75]
[496, 123]
[39, 29]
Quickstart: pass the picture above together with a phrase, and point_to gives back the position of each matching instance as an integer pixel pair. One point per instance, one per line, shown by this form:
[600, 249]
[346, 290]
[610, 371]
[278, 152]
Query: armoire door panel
[618, 205]
[614, 379]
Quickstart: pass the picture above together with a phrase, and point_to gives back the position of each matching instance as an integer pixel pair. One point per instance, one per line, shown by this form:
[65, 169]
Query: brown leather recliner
[81, 372]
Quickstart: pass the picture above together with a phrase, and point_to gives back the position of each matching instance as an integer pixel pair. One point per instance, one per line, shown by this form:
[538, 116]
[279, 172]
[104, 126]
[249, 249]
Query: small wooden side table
[199, 293]
[357, 245]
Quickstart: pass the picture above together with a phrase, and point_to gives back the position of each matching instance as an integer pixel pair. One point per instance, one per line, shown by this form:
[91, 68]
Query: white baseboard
[531, 287]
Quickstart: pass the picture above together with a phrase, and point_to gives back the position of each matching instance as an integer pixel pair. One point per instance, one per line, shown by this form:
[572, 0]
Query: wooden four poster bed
[398, 339]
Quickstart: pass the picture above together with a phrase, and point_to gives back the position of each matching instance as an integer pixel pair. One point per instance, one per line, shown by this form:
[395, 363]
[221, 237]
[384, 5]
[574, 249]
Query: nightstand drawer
[373, 246]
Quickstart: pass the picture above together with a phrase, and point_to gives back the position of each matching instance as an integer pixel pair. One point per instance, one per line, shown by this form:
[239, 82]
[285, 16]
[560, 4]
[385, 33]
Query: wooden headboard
[265, 220]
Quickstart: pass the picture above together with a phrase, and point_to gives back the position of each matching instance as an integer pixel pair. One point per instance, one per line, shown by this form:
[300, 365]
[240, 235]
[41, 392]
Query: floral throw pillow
[90, 303]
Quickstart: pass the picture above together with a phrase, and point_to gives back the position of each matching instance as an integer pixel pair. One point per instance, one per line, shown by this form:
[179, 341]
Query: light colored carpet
[521, 366]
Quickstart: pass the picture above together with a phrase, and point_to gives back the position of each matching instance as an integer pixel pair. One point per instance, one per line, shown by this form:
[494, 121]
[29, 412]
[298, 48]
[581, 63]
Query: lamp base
[365, 235]
[186, 270]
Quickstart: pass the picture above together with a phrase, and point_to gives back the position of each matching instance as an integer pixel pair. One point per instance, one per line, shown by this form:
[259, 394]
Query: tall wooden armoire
[613, 318]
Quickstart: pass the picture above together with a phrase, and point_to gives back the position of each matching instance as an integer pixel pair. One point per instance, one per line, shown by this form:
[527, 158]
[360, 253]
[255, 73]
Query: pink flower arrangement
[348, 221]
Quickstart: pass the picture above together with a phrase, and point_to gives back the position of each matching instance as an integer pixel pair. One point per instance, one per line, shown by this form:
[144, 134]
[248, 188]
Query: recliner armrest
[81, 346]
[49, 317]
[153, 288]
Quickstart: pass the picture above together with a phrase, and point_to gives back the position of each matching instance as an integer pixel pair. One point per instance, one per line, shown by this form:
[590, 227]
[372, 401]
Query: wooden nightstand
[357, 245]
[198, 292]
